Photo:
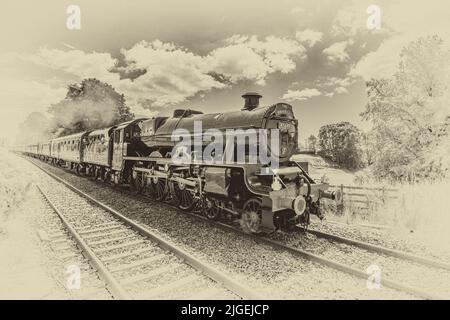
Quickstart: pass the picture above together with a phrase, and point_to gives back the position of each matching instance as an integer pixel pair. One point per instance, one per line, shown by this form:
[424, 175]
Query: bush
[341, 143]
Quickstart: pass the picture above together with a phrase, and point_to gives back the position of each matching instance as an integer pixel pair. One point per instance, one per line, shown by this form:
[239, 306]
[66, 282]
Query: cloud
[337, 52]
[239, 62]
[77, 63]
[309, 37]
[172, 74]
[334, 85]
[301, 95]
[248, 58]
[157, 74]
[330, 81]
[381, 63]
[340, 90]
[352, 18]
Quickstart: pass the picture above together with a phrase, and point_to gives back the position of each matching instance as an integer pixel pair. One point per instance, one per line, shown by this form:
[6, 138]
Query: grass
[421, 211]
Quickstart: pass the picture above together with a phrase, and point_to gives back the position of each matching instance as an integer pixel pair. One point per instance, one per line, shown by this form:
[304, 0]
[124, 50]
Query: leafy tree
[90, 105]
[341, 142]
[312, 142]
[409, 113]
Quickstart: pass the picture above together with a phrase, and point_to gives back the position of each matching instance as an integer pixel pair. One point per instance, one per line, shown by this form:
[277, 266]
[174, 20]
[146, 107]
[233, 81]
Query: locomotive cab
[125, 142]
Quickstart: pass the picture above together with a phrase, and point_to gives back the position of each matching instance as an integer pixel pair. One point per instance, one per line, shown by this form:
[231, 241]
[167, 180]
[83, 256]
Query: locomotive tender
[139, 153]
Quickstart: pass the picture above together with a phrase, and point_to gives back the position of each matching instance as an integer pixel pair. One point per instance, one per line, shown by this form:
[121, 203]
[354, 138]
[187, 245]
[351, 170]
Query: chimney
[251, 100]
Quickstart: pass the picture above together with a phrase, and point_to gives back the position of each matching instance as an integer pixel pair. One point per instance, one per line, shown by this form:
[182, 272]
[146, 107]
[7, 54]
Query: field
[320, 167]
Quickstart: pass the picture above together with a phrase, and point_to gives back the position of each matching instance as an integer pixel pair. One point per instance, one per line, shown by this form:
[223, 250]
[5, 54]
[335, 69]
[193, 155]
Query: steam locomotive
[140, 153]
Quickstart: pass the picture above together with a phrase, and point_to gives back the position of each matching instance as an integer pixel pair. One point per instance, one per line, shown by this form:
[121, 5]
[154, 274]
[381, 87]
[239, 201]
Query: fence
[364, 198]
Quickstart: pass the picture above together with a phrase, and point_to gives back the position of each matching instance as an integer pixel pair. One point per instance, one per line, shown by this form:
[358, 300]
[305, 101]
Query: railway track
[63, 253]
[126, 255]
[380, 249]
[362, 274]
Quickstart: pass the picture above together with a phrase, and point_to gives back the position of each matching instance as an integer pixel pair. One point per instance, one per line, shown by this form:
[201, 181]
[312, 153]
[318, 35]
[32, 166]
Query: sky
[204, 54]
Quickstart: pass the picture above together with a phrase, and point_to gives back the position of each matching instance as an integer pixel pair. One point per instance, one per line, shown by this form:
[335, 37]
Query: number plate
[286, 126]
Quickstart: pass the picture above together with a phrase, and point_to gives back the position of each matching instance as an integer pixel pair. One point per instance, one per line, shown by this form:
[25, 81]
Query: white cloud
[172, 75]
[77, 63]
[248, 58]
[301, 95]
[309, 37]
[381, 63]
[340, 90]
[331, 81]
[337, 52]
[239, 62]
[352, 18]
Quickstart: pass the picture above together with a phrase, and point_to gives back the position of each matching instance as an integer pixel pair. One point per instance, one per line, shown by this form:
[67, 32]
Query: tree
[341, 142]
[89, 105]
[409, 113]
[312, 142]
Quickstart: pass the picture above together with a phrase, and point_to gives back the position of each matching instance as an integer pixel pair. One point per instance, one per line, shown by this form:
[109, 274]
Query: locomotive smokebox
[251, 100]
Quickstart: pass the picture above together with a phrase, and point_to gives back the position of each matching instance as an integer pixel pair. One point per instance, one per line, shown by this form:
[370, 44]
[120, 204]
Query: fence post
[340, 206]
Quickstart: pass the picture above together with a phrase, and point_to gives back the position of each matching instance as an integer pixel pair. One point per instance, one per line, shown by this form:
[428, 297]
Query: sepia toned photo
[216, 153]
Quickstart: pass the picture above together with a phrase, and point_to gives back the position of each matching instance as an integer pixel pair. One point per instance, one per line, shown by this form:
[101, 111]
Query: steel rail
[205, 268]
[112, 284]
[380, 249]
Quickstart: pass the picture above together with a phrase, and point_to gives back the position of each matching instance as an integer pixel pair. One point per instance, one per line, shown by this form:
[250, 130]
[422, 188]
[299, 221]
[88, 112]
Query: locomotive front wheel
[252, 215]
